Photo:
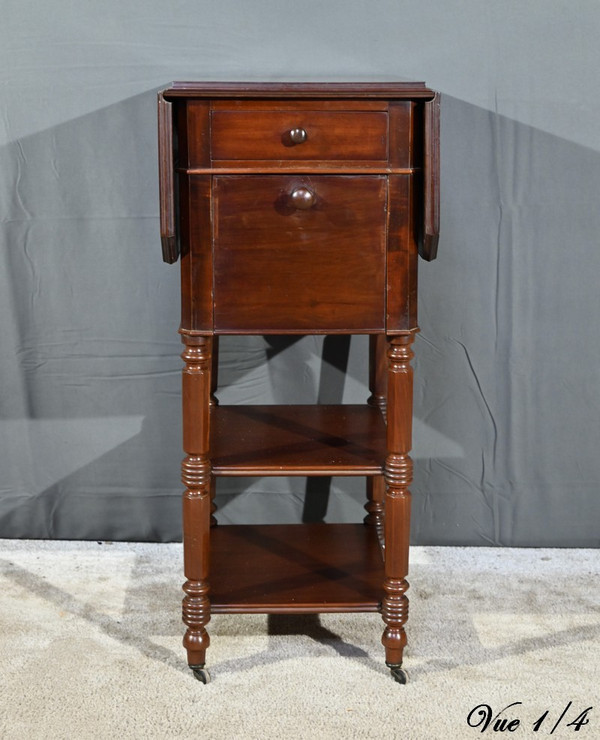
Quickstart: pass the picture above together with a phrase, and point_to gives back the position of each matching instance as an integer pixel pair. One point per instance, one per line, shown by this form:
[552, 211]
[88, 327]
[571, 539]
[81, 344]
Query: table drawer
[299, 253]
[299, 135]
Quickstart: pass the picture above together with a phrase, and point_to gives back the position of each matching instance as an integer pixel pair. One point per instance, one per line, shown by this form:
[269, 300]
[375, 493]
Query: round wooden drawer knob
[297, 135]
[303, 198]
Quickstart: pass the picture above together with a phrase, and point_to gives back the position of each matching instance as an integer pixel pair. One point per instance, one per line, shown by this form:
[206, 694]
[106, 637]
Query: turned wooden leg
[398, 476]
[378, 371]
[378, 398]
[196, 477]
[375, 507]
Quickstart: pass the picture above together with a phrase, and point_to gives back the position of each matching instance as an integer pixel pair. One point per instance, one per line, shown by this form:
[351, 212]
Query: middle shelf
[303, 440]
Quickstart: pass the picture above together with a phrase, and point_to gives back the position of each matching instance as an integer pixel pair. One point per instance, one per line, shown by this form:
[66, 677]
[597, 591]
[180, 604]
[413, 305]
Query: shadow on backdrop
[506, 363]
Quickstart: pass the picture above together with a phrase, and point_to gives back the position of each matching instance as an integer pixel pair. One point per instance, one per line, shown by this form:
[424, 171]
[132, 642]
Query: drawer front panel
[299, 253]
[299, 135]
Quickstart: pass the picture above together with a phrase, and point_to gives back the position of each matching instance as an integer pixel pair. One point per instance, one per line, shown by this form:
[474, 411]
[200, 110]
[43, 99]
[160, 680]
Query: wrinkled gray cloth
[507, 388]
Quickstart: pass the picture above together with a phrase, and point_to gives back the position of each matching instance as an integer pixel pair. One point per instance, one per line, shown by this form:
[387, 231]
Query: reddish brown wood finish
[196, 477]
[378, 372]
[406, 90]
[282, 269]
[166, 182]
[401, 134]
[194, 148]
[430, 230]
[375, 505]
[304, 568]
[297, 440]
[398, 477]
[299, 208]
[197, 282]
[401, 294]
[345, 135]
[295, 104]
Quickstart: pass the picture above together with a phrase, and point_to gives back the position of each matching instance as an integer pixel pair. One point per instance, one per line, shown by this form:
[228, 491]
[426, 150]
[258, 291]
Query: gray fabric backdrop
[507, 395]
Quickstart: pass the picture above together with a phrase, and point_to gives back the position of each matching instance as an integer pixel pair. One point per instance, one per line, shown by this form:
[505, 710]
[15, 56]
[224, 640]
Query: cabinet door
[299, 253]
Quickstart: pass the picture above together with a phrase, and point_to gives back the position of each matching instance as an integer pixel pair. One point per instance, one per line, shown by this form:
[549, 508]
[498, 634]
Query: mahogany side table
[298, 208]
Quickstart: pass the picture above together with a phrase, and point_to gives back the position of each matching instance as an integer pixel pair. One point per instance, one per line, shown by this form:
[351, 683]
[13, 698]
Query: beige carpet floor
[90, 647]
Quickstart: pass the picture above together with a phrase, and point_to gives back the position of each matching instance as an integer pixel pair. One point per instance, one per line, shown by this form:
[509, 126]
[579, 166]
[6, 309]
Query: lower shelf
[295, 568]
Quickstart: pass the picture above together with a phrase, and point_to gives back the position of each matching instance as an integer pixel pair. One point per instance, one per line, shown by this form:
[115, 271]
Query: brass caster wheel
[200, 673]
[399, 674]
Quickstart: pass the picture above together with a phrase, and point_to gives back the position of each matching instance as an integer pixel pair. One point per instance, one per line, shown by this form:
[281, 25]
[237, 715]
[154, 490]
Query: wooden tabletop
[215, 89]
